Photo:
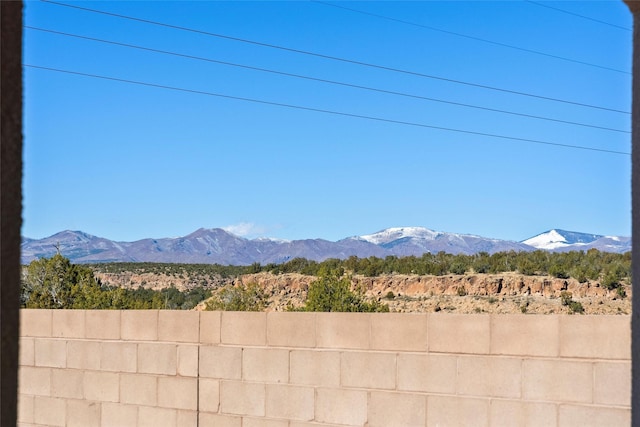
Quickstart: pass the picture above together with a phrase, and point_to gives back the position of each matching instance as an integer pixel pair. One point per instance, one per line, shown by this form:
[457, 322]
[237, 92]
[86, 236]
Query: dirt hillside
[468, 293]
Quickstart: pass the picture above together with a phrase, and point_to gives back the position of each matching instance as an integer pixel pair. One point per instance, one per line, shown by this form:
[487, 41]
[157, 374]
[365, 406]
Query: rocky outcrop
[159, 281]
[468, 293]
[508, 284]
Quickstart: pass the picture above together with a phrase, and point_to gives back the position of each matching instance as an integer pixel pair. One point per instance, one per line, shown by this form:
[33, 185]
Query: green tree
[56, 283]
[332, 292]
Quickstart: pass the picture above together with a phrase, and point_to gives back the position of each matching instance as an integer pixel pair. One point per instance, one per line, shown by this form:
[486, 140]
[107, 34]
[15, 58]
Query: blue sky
[127, 161]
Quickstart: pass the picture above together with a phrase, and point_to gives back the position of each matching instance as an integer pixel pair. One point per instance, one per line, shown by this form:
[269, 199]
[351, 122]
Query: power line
[466, 36]
[319, 110]
[578, 15]
[460, 104]
[335, 58]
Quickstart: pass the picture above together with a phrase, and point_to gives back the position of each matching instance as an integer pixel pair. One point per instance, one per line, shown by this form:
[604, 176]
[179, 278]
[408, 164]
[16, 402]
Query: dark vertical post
[634, 6]
[10, 203]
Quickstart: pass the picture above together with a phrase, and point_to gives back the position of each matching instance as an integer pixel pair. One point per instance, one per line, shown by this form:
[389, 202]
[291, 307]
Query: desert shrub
[576, 307]
[565, 297]
[526, 267]
[559, 271]
[238, 298]
[458, 268]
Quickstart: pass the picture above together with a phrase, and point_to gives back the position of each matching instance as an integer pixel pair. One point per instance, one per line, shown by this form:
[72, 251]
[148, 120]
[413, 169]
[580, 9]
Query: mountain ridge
[217, 246]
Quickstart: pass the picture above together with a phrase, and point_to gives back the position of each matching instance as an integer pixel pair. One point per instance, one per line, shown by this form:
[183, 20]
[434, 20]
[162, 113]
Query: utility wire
[578, 15]
[335, 58]
[460, 104]
[319, 110]
[466, 36]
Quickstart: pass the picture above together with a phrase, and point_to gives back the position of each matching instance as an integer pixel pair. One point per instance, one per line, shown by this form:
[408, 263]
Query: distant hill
[562, 240]
[216, 246]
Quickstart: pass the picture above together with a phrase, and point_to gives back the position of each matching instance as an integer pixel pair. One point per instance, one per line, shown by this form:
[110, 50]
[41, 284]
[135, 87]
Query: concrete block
[593, 416]
[68, 324]
[50, 352]
[261, 422]
[50, 411]
[118, 356]
[118, 415]
[139, 325]
[290, 402]
[489, 376]
[612, 383]
[157, 358]
[368, 370]
[81, 413]
[265, 365]
[317, 368]
[515, 413]
[179, 326]
[27, 352]
[209, 395]
[243, 328]
[339, 406]
[343, 330]
[25, 408]
[457, 411]
[397, 409]
[555, 380]
[67, 383]
[188, 360]
[34, 381]
[310, 424]
[239, 398]
[103, 324]
[206, 419]
[101, 386]
[83, 354]
[221, 362]
[432, 373]
[178, 393]
[210, 327]
[605, 337]
[525, 335]
[291, 329]
[459, 333]
[157, 417]
[399, 332]
[187, 419]
[35, 322]
[137, 389]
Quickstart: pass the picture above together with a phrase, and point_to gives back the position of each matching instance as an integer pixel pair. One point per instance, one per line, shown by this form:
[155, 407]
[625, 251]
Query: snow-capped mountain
[405, 241]
[217, 246]
[392, 234]
[562, 240]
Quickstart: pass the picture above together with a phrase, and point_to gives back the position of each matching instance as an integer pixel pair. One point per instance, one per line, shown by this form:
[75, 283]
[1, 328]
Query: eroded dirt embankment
[469, 293]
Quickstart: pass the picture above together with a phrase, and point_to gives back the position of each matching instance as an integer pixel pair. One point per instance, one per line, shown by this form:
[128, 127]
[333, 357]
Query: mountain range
[217, 246]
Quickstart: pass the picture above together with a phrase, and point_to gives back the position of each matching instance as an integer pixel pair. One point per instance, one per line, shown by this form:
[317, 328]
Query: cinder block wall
[174, 368]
